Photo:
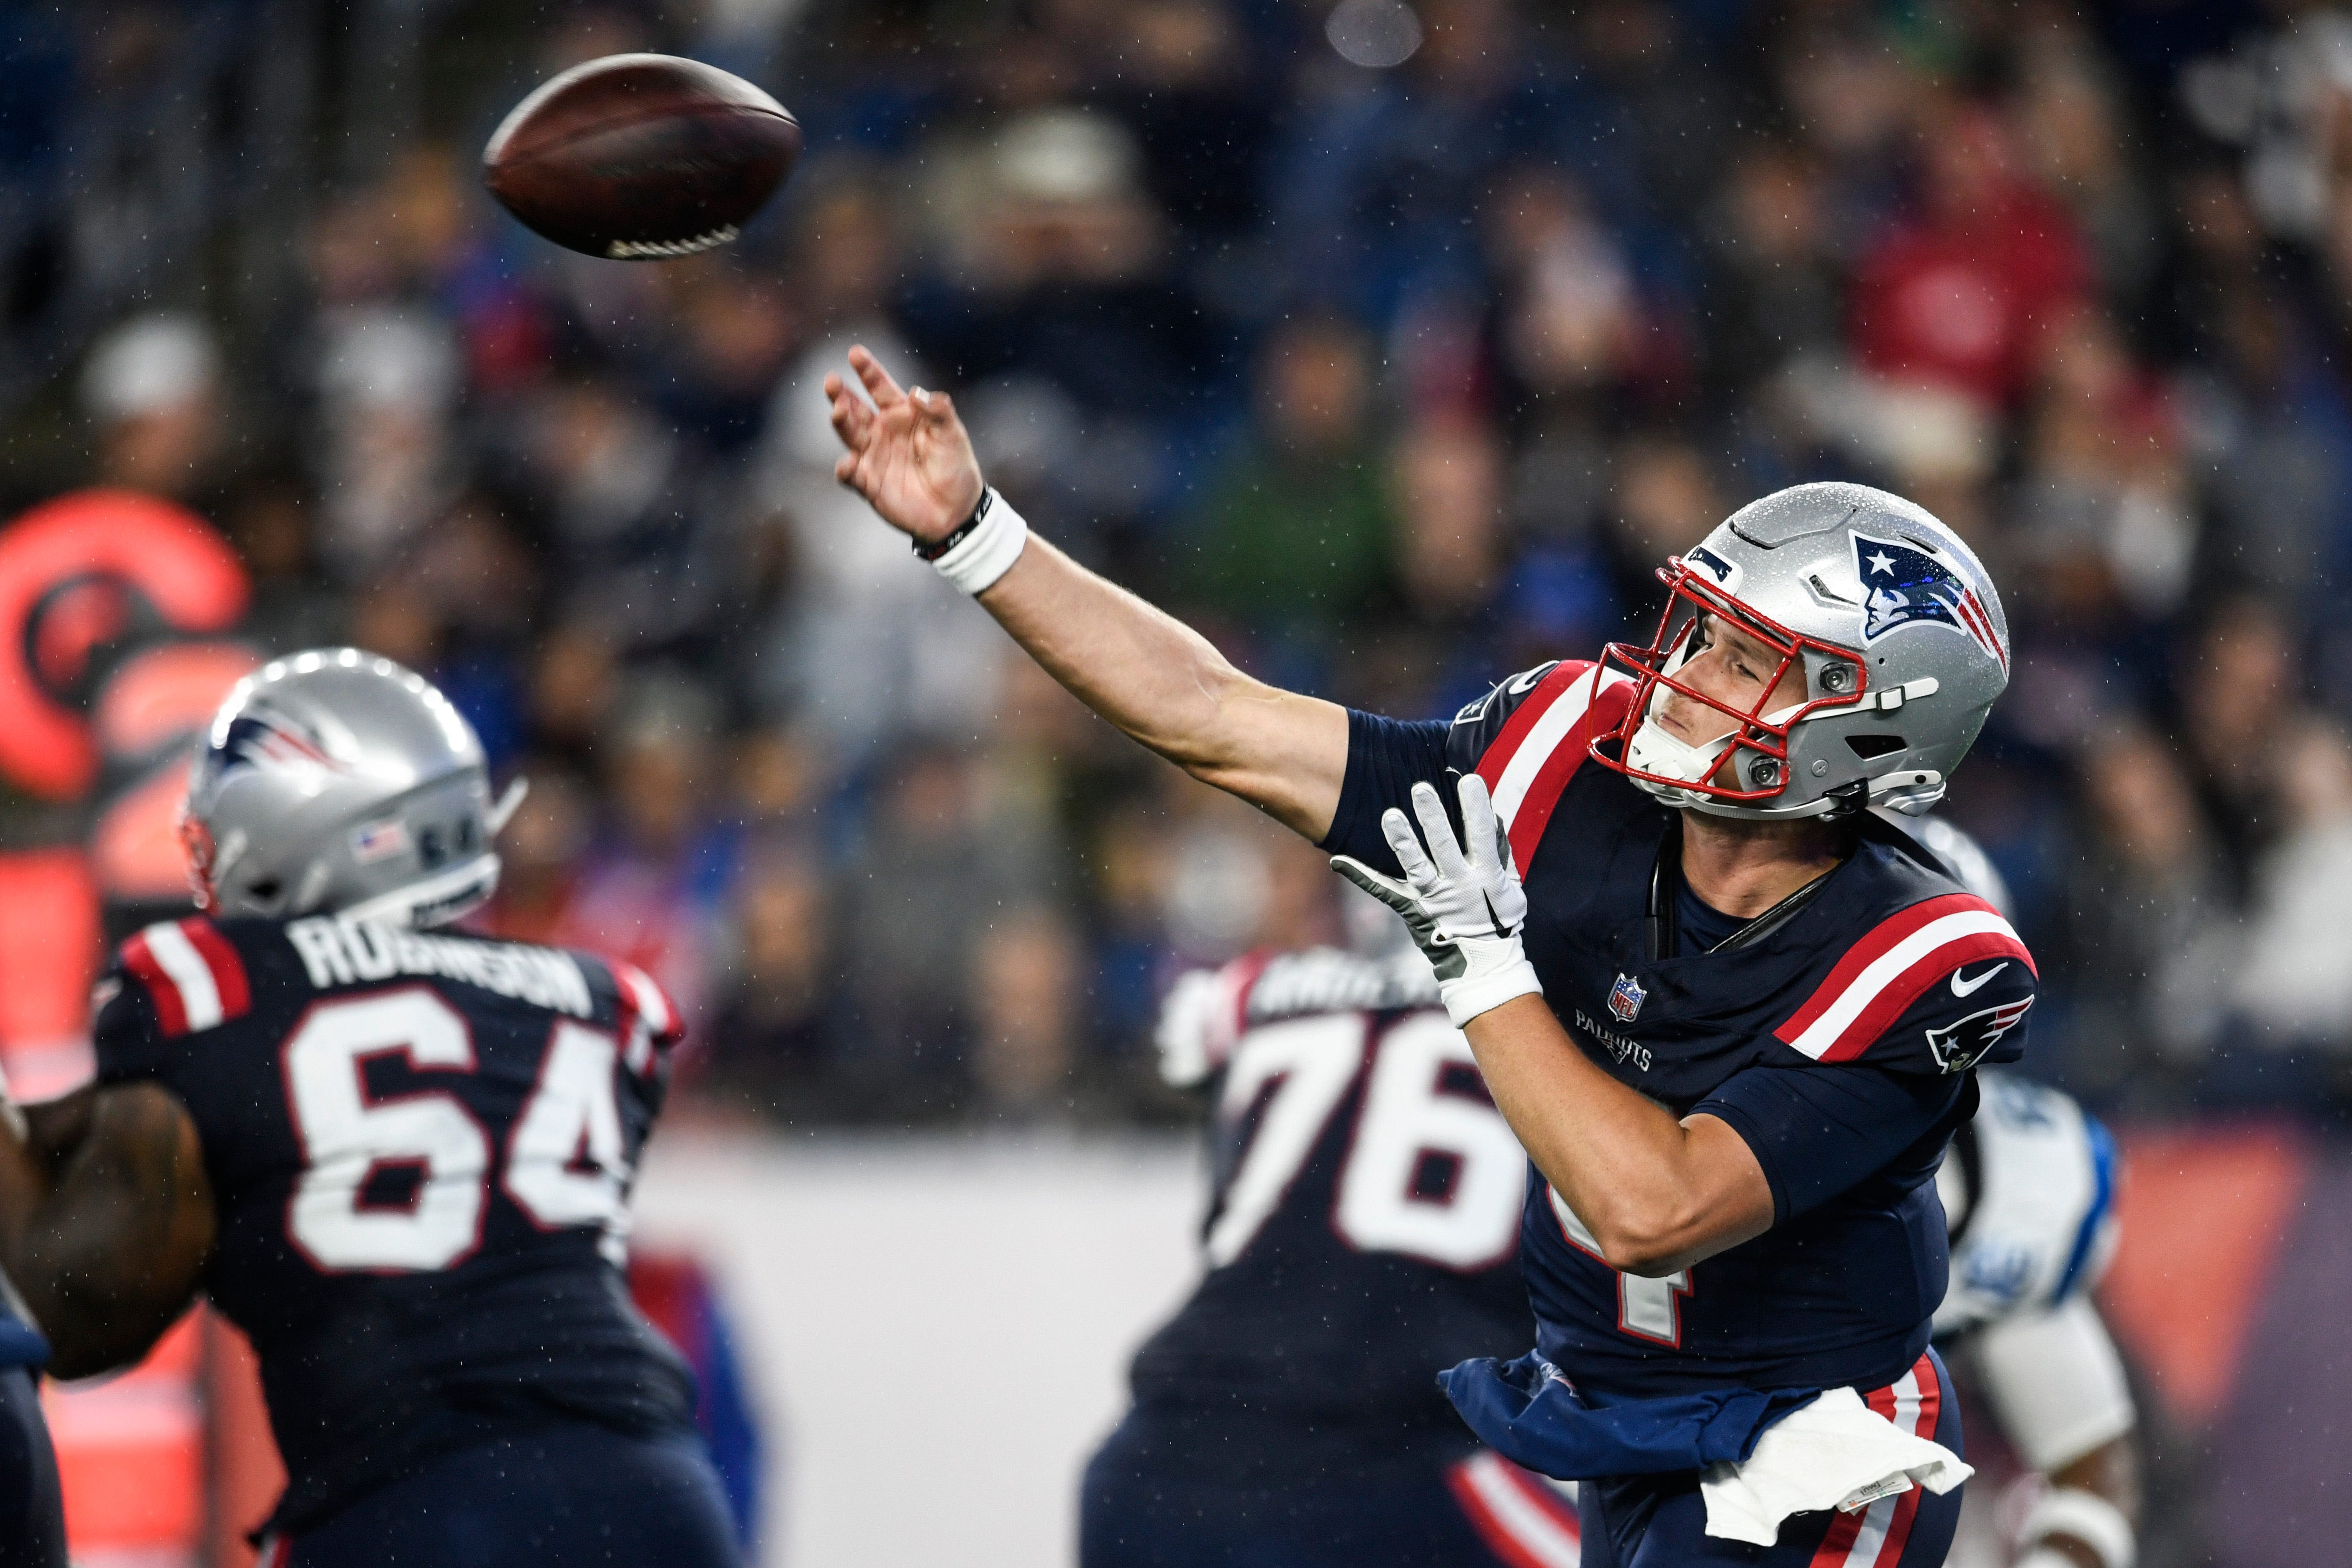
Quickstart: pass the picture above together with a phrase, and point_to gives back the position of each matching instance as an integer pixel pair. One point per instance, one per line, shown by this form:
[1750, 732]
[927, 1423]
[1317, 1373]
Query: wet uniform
[420, 1148]
[1836, 1034]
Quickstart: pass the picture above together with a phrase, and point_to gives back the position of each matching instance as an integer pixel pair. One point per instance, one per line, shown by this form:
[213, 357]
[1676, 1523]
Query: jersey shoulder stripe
[192, 974]
[649, 1022]
[1529, 765]
[1880, 976]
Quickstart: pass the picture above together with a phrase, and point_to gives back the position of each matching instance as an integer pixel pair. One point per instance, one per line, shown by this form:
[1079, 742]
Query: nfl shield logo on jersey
[1625, 998]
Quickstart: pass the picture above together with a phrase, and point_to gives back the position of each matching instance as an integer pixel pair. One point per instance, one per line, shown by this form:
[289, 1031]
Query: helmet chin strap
[1655, 750]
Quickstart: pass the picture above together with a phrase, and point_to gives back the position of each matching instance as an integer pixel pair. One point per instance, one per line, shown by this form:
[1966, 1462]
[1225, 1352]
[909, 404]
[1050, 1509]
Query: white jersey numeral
[346, 1140]
[566, 1162]
[1309, 1063]
[1650, 1309]
[1408, 1121]
[1303, 1069]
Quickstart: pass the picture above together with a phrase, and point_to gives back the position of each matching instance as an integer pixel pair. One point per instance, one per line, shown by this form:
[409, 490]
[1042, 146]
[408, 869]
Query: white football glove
[1464, 911]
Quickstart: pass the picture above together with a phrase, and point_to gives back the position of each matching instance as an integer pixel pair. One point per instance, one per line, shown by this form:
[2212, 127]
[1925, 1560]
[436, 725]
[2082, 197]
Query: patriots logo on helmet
[1963, 1045]
[1903, 585]
[260, 737]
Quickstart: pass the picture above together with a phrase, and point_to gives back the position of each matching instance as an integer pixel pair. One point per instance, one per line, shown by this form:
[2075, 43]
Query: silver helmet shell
[1895, 623]
[337, 782]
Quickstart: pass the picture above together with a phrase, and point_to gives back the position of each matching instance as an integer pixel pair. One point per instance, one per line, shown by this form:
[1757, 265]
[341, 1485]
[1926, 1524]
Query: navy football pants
[568, 1498]
[1138, 1510]
[32, 1517]
[1660, 1521]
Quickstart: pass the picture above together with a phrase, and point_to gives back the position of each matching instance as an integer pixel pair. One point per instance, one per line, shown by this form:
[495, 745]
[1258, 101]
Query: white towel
[1837, 1452]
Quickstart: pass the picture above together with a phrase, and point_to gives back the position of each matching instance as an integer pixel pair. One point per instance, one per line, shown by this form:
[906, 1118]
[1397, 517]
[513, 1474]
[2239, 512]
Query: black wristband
[933, 551]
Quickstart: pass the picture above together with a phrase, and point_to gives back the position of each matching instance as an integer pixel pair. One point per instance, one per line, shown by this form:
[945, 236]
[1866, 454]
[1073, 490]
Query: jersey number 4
[1302, 1070]
[565, 1163]
[1647, 1308]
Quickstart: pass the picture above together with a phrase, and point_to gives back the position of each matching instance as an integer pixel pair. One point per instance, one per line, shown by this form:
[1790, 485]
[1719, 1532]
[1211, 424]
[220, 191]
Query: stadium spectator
[1294, 532]
[152, 390]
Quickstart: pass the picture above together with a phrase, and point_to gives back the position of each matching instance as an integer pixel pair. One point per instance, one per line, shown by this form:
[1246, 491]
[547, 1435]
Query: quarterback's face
[1735, 669]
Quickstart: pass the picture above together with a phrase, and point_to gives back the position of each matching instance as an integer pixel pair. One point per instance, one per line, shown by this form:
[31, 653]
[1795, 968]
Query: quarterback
[1732, 1015]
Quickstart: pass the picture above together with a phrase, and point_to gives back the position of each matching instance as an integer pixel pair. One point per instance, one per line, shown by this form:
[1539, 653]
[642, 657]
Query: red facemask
[198, 838]
[1758, 745]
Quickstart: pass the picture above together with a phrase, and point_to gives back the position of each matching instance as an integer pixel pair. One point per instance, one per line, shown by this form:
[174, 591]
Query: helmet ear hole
[1871, 747]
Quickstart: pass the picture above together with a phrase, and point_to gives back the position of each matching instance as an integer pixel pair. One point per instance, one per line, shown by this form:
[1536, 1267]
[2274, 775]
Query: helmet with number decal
[1894, 624]
[337, 782]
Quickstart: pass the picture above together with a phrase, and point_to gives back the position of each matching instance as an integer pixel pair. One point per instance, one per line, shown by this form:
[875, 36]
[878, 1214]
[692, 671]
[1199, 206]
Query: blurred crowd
[1392, 344]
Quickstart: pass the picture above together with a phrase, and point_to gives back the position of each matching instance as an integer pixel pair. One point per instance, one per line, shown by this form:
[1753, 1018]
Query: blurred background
[1392, 343]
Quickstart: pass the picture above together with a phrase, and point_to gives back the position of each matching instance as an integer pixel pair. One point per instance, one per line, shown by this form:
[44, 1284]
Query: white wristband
[997, 538]
[1475, 993]
[2081, 1515]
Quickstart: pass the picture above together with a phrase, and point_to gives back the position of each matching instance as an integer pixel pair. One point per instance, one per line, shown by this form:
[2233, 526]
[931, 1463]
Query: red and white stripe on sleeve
[192, 971]
[649, 1020]
[1527, 766]
[1881, 976]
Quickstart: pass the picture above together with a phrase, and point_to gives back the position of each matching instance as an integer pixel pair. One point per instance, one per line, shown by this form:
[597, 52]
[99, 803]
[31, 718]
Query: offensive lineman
[398, 1161]
[1362, 1231]
[1731, 1235]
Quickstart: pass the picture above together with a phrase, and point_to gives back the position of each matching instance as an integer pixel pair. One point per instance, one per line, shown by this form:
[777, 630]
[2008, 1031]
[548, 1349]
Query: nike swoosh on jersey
[1971, 988]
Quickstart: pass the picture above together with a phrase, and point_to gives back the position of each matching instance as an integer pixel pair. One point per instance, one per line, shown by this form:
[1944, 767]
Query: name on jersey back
[344, 954]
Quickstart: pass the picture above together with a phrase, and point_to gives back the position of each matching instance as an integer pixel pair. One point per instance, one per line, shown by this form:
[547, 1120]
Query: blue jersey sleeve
[1386, 757]
[124, 1033]
[1820, 1131]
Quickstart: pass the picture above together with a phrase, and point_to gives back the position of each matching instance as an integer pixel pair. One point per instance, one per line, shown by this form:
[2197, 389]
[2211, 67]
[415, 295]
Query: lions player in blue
[1732, 1017]
[1362, 1230]
[399, 1160]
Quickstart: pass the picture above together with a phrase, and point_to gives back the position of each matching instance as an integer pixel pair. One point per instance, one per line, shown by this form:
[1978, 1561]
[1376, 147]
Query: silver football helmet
[1896, 626]
[337, 782]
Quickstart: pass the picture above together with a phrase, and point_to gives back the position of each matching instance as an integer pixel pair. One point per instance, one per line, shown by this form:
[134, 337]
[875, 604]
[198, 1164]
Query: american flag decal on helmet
[1903, 585]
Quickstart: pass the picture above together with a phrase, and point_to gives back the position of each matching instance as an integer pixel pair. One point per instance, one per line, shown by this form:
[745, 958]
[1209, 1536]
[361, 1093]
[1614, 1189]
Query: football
[641, 157]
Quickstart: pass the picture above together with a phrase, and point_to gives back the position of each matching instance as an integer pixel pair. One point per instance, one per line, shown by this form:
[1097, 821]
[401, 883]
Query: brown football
[641, 157]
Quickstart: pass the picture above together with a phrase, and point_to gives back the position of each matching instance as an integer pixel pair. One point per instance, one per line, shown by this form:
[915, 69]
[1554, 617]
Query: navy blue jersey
[1362, 1229]
[420, 1148]
[1837, 1037]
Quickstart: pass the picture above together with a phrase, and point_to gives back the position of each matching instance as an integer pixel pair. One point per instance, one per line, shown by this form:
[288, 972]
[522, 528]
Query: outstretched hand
[908, 454]
[1464, 908]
